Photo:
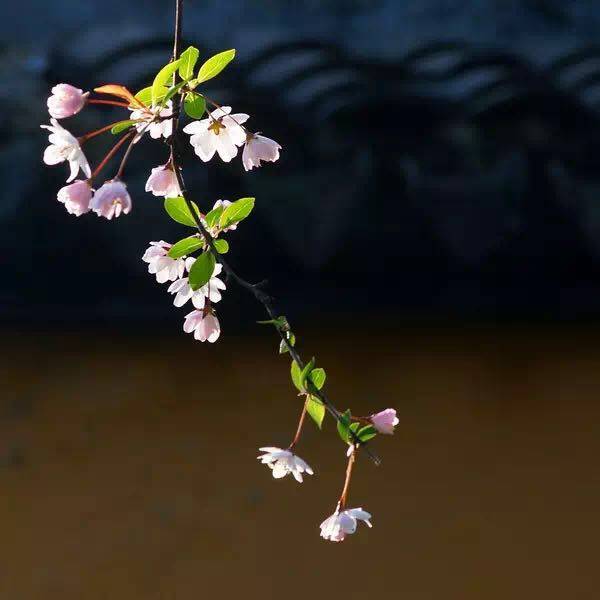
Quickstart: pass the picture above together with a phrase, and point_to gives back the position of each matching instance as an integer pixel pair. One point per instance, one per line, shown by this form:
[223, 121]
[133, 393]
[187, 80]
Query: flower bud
[65, 101]
[385, 421]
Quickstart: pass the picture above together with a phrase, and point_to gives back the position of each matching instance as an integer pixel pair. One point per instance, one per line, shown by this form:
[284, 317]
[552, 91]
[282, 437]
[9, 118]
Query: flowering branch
[194, 263]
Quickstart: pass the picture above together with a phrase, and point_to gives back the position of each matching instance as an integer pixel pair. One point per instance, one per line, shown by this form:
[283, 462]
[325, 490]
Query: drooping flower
[385, 421]
[111, 199]
[183, 292]
[340, 524]
[153, 120]
[204, 325]
[164, 267]
[221, 133]
[65, 147]
[76, 197]
[66, 101]
[163, 182]
[282, 462]
[257, 148]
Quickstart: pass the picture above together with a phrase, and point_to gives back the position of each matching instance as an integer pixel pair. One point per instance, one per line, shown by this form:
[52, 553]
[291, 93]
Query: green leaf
[171, 92]
[212, 217]
[296, 376]
[343, 426]
[201, 270]
[222, 246]
[317, 376]
[214, 65]
[187, 62]
[122, 126]
[162, 79]
[316, 409]
[305, 372]
[178, 211]
[185, 247]
[236, 212]
[194, 105]
[291, 338]
[366, 433]
[145, 95]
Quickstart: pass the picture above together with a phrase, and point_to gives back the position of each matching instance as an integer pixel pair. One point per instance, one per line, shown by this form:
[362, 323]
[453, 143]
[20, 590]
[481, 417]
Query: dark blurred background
[432, 230]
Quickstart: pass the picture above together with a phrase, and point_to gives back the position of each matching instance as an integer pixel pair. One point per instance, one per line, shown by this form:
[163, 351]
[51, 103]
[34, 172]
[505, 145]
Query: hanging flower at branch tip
[283, 462]
[385, 421]
[164, 267]
[203, 324]
[111, 200]
[154, 120]
[257, 148]
[66, 101]
[76, 197]
[221, 133]
[65, 147]
[340, 524]
[163, 182]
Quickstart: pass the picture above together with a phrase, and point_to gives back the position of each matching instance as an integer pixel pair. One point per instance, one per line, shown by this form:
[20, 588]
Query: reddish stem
[87, 136]
[111, 153]
[111, 102]
[300, 425]
[344, 496]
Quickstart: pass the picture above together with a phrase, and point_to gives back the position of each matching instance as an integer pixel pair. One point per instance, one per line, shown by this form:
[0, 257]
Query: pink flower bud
[163, 182]
[385, 421]
[65, 101]
[204, 326]
[111, 200]
[76, 197]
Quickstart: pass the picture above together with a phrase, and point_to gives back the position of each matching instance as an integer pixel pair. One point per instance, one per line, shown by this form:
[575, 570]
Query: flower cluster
[193, 267]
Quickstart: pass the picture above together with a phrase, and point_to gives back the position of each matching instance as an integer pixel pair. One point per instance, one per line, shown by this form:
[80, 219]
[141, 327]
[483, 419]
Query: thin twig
[255, 289]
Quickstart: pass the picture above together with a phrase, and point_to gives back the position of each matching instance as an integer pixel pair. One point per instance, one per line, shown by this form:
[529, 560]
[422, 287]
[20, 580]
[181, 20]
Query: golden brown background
[128, 467]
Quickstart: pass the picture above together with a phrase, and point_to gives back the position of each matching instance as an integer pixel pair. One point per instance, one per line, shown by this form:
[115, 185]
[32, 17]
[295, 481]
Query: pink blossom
[111, 200]
[76, 197]
[340, 524]
[385, 421]
[163, 182]
[257, 148]
[66, 101]
[206, 327]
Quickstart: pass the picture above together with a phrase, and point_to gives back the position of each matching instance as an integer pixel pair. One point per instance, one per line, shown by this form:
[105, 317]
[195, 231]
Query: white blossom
[211, 290]
[221, 133]
[65, 147]
[257, 148]
[164, 267]
[283, 462]
[340, 524]
[157, 128]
